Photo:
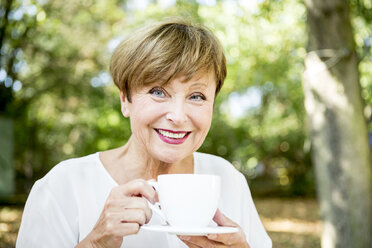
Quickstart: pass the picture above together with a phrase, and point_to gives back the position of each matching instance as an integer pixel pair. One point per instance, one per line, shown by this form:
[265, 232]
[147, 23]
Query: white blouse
[65, 204]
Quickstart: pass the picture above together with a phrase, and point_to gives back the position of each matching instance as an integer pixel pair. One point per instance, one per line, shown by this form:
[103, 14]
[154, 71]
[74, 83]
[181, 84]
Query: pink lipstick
[172, 137]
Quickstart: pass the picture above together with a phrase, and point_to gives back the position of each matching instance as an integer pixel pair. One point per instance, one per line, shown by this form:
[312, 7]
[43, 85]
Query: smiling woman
[168, 75]
[170, 122]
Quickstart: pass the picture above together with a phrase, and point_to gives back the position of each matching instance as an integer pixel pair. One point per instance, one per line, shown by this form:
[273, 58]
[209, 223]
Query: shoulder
[60, 186]
[232, 180]
[212, 164]
[52, 207]
[66, 176]
[74, 164]
[206, 158]
[68, 168]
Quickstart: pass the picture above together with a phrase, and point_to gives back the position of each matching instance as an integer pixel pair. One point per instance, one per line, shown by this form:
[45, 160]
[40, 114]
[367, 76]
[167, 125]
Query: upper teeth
[172, 135]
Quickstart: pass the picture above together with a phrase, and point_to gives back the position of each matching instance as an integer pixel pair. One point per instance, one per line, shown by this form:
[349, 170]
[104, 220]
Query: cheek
[203, 119]
[142, 118]
[145, 112]
[140, 123]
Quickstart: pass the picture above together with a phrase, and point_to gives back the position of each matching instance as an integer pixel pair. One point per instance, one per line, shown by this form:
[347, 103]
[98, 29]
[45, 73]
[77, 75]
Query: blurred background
[58, 101]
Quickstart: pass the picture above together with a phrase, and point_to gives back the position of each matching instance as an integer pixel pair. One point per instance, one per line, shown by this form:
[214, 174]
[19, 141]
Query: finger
[127, 229]
[119, 229]
[118, 204]
[139, 203]
[156, 193]
[222, 220]
[133, 216]
[229, 238]
[201, 241]
[190, 245]
[139, 187]
[126, 202]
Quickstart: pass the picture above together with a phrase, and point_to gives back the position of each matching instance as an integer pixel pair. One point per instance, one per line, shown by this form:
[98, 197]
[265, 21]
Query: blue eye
[157, 92]
[198, 97]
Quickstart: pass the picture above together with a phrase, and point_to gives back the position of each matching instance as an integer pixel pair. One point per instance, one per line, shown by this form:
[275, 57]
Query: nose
[177, 113]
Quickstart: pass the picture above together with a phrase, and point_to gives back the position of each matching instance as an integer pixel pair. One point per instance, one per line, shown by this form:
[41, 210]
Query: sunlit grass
[10, 218]
[291, 223]
[292, 226]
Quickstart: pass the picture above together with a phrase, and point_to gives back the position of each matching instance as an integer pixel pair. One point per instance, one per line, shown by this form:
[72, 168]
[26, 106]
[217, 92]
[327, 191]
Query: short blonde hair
[163, 51]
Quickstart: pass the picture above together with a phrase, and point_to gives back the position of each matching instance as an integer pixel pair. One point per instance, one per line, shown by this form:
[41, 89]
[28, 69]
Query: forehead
[204, 78]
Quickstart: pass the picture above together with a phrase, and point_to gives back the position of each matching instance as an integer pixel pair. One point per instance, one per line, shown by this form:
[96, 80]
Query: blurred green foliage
[54, 82]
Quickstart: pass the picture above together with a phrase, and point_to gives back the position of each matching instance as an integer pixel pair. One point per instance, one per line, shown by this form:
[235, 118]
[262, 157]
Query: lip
[171, 140]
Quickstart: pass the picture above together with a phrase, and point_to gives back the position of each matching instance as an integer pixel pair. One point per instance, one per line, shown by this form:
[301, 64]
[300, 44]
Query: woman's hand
[124, 212]
[236, 240]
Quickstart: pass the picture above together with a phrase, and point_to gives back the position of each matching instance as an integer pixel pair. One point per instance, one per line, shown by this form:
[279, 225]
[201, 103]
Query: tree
[54, 57]
[12, 36]
[337, 125]
[65, 105]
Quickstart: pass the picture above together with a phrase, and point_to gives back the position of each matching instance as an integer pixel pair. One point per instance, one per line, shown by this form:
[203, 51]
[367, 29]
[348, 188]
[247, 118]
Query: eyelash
[202, 97]
[157, 89]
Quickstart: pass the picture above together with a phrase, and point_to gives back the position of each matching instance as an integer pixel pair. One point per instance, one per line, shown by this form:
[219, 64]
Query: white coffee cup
[187, 200]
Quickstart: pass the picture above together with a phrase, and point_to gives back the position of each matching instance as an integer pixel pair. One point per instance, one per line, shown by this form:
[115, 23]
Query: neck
[131, 162]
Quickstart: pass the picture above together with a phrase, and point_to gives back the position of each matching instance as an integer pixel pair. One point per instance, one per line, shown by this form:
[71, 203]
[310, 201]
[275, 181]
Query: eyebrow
[205, 85]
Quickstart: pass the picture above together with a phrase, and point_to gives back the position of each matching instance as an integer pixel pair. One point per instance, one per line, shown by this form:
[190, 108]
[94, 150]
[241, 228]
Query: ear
[124, 104]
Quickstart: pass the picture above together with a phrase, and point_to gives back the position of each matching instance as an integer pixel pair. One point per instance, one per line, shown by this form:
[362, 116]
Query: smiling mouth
[172, 134]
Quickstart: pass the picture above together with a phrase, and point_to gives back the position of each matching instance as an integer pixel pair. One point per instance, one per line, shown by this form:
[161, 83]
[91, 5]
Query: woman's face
[170, 122]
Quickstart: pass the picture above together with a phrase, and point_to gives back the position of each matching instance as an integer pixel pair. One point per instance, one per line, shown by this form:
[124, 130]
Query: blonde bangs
[165, 51]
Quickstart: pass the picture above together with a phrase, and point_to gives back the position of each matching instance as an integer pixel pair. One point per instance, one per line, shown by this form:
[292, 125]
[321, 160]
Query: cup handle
[156, 207]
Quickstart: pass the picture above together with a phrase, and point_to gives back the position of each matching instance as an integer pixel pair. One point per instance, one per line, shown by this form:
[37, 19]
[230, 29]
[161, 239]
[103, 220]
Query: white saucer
[190, 231]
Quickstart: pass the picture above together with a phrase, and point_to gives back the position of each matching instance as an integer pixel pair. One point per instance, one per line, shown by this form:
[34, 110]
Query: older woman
[168, 75]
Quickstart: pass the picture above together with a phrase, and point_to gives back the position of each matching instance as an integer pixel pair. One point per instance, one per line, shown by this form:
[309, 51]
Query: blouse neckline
[112, 180]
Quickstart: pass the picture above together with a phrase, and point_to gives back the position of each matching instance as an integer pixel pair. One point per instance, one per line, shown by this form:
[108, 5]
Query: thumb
[222, 220]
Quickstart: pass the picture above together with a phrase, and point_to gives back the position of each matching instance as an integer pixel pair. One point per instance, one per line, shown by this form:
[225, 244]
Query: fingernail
[184, 238]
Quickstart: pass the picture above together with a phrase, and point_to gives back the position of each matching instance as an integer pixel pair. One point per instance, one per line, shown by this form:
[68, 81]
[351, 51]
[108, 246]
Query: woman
[168, 75]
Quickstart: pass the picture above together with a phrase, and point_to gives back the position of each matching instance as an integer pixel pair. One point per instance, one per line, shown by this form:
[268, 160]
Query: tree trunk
[337, 126]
